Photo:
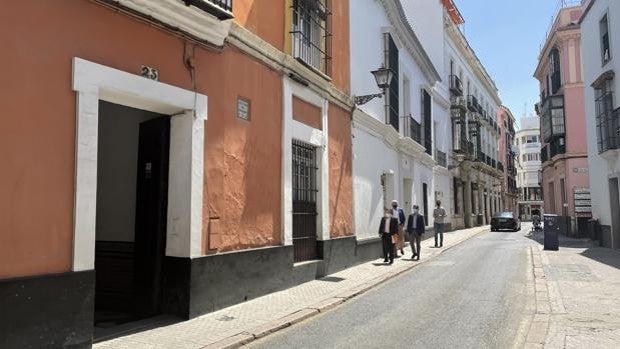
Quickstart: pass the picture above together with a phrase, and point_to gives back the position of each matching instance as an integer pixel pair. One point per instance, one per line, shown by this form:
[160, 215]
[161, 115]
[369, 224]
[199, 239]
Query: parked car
[505, 220]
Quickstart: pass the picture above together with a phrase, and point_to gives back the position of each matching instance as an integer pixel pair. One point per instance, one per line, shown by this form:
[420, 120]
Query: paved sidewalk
[578, 288]
[242, 323]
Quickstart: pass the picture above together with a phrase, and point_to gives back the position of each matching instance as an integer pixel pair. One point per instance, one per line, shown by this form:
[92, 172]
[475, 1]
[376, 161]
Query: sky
[506, 36]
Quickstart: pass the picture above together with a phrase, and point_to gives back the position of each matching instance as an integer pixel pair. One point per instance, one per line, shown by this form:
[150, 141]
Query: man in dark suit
[415, 229]
[388, 230]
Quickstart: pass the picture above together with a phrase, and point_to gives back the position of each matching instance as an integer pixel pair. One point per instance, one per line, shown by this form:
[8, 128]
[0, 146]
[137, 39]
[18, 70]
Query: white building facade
[527, 144]
[600, 25]
[400, 140]
[475, 188]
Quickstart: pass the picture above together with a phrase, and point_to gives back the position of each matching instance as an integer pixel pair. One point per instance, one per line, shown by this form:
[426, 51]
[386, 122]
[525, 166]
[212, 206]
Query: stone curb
[539, 328]
[300, 315]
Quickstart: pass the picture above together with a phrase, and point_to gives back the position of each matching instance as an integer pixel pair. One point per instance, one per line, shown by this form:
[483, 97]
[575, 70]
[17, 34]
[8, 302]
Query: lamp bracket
[359, 100]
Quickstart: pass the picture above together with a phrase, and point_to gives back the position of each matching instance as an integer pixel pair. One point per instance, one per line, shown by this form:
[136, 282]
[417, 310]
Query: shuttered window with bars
[427, 123]
[391, 62]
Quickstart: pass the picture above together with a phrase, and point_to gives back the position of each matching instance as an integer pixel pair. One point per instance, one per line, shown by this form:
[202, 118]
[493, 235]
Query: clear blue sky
[506, 36]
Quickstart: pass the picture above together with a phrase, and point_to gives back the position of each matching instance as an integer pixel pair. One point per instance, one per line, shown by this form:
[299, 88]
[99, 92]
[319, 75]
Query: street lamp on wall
[383, 77]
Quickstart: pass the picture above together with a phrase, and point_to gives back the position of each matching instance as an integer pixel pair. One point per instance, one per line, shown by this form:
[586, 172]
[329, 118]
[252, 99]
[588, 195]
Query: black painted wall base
[49, 311]
[193, 287]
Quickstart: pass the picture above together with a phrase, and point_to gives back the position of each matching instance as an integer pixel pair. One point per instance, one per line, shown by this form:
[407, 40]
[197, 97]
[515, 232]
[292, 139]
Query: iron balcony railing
[608, 130]
[222, 9]
[312, 37]
[458, 102]
[472, 103]
[441, 158]
[500, 166]
[413, 129]
[456, 86]
[481, 156]
[493, 163]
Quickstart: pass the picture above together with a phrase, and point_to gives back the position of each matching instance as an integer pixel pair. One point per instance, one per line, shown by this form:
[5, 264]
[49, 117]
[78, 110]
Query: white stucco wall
[426, 18]
[367, 23]
[601, 168]
[371, 158]
[377, 149]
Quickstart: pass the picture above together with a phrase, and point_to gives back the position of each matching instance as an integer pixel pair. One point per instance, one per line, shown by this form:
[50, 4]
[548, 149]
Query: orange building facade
[174, 158]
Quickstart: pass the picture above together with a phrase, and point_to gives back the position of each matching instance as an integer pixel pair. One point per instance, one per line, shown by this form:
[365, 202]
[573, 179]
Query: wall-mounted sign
[243, 108]
[149, 72]
[580, 169]
[583, 202]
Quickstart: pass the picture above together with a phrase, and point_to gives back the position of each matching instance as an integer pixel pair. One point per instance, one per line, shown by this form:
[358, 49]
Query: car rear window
[504, 215]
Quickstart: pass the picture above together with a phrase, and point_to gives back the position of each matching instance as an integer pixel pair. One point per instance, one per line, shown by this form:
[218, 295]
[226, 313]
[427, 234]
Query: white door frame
[94, 82]
[293, 129]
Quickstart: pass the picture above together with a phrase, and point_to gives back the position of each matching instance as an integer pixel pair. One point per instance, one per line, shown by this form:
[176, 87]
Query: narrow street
[478, 294]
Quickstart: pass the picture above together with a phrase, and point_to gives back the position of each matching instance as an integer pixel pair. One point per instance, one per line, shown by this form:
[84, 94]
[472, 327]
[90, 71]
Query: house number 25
[149, 72]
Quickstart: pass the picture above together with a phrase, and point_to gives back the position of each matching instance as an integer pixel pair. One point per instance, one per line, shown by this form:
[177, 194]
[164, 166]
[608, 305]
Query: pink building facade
[564, 174]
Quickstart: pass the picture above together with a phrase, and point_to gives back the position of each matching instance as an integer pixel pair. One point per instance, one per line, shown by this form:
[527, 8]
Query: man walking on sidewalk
[439, 214]
[415, 229]
[388, 230]
[399, 214]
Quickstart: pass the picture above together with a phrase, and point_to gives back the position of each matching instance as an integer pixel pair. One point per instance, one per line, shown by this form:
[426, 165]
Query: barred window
[312, 33]
[606, 120]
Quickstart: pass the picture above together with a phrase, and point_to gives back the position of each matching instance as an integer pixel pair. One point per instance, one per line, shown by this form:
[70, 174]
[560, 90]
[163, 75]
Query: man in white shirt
[439, 213]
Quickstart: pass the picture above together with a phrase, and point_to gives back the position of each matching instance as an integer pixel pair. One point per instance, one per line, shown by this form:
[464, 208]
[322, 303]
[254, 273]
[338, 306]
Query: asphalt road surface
[478, 294]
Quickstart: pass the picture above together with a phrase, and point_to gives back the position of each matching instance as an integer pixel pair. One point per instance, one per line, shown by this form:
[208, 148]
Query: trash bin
[551, 231]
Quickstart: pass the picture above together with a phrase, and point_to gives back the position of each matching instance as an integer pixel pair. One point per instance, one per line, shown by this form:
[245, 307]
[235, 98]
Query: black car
[505, 220]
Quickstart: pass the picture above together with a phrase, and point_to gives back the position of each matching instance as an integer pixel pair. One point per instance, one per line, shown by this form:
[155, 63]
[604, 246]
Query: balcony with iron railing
[441, 158]
[222, 9]
[472, 103]
[311, 34]
[456, 86]
[608, 130]
[413, 129]
[458, 103]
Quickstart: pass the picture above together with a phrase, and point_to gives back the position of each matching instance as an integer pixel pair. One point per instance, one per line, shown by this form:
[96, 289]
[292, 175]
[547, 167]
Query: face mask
[416, 211]
[394, 207]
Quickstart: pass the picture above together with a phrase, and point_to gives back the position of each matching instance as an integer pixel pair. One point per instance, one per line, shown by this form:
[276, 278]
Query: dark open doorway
[132, 189]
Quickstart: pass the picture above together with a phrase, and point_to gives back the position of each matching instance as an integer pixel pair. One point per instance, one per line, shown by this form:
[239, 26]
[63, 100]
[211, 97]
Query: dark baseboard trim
[48, 311]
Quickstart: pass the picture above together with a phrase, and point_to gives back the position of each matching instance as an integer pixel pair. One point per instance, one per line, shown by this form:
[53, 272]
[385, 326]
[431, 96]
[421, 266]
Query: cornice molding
[187, 18]
[397, 17]
[391, 137]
